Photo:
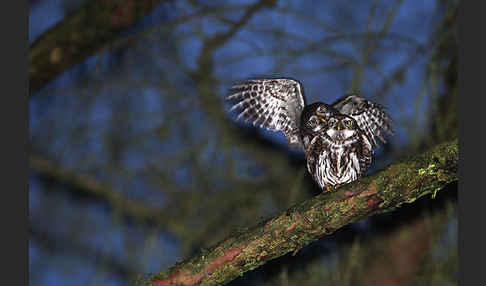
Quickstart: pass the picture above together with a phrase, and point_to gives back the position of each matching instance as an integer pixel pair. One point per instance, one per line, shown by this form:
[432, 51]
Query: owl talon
[328, 188]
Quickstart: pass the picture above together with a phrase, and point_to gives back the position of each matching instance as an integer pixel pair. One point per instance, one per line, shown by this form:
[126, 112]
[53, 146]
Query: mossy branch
[399, 183]
[80, 35]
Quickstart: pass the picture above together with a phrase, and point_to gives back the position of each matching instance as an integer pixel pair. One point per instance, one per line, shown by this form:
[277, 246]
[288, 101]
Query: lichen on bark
[399, 183]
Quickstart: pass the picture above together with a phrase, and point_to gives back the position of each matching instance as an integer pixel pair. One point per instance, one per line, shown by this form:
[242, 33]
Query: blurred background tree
[135, 163]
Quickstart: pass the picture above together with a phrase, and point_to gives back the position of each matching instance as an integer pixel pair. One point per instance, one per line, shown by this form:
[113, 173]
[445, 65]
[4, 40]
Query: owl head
[341, 128]
[314, 120]
[314, 117]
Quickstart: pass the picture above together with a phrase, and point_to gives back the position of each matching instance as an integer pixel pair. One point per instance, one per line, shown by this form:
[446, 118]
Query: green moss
[222, 274]
[430, 170]
[411, 200]
[435, 192]
[400, 183]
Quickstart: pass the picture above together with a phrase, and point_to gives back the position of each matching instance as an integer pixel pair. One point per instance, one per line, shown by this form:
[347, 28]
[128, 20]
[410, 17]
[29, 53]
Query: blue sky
[55, 103]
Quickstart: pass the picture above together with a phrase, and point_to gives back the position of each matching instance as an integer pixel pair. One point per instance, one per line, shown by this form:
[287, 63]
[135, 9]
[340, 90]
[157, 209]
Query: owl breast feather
[331, 164]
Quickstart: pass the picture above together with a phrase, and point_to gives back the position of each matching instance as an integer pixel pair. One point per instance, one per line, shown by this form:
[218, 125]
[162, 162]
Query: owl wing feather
[274, 104]
[365, 153]
[370, 116]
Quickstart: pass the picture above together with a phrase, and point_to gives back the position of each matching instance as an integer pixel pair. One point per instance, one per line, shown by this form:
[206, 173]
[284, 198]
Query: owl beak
[322, 119]
[339, 126]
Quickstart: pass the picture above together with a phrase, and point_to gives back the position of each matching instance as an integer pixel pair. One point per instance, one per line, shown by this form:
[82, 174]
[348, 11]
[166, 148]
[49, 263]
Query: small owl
[337, 152]
[337, 139]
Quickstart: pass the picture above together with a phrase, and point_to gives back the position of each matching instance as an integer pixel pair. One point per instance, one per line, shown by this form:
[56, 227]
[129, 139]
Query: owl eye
[312, 122]
[322, 108]
[348, 123]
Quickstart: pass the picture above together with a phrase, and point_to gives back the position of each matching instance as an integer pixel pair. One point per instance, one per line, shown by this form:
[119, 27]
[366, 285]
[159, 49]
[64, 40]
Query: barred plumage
[339, 155]
[370, 116]
[274, 104]
[337, 139]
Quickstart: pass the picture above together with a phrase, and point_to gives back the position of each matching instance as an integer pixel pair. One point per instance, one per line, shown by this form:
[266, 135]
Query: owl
[337, 139]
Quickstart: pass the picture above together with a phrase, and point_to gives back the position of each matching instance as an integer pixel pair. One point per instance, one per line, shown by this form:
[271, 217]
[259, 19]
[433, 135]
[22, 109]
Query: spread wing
[370, 116]
[274, 104]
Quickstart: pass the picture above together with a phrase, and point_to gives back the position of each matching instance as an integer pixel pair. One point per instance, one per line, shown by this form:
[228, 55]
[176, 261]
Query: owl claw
[328, 188]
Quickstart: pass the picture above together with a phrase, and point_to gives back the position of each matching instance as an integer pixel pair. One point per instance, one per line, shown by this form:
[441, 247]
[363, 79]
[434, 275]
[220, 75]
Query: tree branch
[402, 182]
[87, 186]
[81, 34]
[72, 247]
[263, 152]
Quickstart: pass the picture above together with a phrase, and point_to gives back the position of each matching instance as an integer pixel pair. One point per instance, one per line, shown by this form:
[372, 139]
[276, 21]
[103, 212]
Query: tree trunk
[81, 35]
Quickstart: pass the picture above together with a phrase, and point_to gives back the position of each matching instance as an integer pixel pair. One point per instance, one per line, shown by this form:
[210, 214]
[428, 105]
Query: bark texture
[402, 182]
[81, 35]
